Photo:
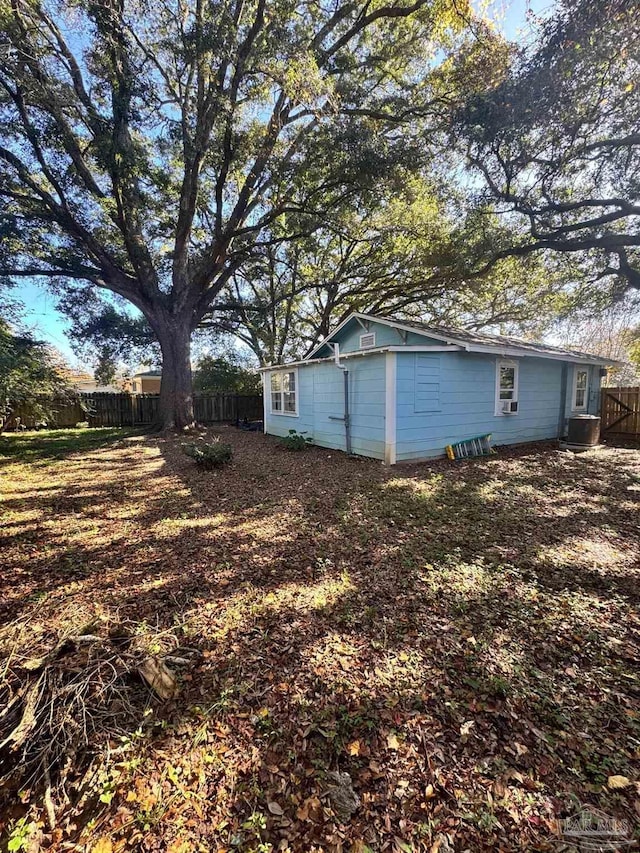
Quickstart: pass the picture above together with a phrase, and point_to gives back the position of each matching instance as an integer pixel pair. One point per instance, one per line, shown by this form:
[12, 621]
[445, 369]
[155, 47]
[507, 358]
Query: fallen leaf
[311, 809]
[159, 677]
[465, 728]
[616, 782]
[103, 845]
[274, 808]
[392, 741]
[354, 747]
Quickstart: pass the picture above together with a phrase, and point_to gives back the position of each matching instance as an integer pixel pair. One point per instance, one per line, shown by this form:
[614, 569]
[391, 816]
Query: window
[284, 398]
[367, 340]
[506, 388]
[580, 388]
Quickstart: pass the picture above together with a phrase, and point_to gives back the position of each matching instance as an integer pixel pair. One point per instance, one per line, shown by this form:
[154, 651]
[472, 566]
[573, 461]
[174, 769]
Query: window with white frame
[580, 388]
[284, 392]
[367, 340]
[506, 387]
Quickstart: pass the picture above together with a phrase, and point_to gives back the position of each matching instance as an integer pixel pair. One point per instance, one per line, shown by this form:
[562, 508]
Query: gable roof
[470, 341]
[147, 374]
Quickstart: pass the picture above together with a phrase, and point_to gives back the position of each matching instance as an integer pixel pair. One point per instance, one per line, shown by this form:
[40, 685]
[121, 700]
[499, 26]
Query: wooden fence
[116, 410]
[142, 409]
[620, 412]
[61, 412]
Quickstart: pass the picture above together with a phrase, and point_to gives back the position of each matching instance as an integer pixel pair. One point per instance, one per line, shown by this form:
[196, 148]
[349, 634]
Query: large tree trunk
[176, 388]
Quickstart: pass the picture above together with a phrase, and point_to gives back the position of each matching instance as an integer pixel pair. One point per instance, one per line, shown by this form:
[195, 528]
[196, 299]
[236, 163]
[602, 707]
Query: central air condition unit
[509, 407]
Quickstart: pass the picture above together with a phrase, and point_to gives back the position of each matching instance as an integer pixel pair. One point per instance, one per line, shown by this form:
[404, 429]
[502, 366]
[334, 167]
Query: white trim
[356, 353]
[504, 362]
[266, 390]
[516, 352]
[577, 369]
[368, 335]
[425, 348]
[272, 411]
[390, 398]
[371, 318]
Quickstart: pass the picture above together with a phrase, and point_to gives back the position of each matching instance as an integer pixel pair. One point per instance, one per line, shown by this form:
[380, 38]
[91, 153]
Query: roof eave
[518, 352]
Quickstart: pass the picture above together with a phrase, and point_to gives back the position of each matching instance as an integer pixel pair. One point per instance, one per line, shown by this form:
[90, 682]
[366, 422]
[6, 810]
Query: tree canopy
[147, 148]
[29, 374]
[557, 143]
[223, 374]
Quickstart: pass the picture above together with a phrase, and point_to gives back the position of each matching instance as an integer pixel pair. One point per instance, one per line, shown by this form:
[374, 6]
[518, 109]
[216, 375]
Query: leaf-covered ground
[462, 640]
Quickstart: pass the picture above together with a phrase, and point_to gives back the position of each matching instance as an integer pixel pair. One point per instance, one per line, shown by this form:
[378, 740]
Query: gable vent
[367, 341]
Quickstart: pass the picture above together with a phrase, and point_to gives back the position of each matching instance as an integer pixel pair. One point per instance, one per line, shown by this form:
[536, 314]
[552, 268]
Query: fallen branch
[60, 708]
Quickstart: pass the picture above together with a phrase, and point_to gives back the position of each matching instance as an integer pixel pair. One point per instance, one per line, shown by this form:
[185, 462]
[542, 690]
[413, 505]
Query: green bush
[296, 440]
[209, 455]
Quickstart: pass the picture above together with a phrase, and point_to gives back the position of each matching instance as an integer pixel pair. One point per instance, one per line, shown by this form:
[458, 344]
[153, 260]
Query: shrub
[208, 455]
[296, 440]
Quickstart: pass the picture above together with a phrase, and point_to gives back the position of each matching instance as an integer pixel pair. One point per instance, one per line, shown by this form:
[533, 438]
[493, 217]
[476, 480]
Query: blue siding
[467, 403]
[441, 397]
[426, 385]
[321, 398]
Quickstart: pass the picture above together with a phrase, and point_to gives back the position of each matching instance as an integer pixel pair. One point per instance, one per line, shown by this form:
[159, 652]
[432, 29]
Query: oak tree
[147, 147]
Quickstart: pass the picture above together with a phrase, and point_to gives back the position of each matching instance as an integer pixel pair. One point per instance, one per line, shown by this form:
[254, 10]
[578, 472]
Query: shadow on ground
[461, 640]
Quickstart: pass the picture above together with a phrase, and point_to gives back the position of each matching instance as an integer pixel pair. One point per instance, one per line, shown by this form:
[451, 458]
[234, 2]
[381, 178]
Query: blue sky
[511, 16]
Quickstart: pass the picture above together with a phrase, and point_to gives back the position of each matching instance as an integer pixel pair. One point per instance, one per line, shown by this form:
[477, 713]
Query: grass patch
[58, 443]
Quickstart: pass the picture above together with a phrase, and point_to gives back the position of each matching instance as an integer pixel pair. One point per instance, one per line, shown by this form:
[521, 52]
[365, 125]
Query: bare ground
[462, 640]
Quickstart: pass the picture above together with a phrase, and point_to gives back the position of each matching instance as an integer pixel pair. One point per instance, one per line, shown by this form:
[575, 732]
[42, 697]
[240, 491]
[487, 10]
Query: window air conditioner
[509, 407]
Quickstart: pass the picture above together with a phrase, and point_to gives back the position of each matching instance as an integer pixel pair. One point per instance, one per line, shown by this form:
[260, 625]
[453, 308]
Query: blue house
[401, 391]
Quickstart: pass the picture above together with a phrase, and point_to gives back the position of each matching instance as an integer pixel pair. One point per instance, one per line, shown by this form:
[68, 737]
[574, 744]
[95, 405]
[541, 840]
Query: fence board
[106, 409]
[142, 409]
[620, 411]
[64, 412]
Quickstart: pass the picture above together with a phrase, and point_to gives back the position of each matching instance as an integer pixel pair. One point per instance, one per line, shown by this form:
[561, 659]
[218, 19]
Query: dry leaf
[103, 845]
[616, 782]
[274, 808]
[465, 728]
[354, 747]
[429, 793]
[159, 677]
[392, 741]
[311, 809]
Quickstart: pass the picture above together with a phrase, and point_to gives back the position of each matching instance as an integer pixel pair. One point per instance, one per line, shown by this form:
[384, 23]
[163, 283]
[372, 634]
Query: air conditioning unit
[509, 407]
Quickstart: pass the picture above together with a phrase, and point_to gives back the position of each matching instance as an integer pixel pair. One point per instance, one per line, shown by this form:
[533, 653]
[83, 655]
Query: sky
[45, 322]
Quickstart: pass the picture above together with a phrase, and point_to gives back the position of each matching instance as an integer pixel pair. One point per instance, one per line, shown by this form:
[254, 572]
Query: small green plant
[296, 440]
[209, 455]
[20, 836]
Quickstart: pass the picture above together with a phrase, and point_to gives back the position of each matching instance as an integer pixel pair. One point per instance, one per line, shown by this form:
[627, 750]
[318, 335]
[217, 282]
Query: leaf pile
[432, 657]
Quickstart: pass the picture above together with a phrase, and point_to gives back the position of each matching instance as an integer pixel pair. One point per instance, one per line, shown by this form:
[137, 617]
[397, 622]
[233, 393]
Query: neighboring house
[91, 386]
[146, 382]
[413, 389]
